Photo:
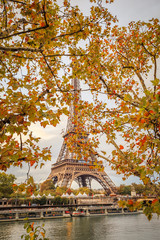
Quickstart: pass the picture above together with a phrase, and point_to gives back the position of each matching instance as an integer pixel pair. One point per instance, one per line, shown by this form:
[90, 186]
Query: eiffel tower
[69, 167]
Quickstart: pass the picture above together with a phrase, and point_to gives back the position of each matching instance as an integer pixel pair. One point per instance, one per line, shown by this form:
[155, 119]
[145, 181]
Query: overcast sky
[126, 11]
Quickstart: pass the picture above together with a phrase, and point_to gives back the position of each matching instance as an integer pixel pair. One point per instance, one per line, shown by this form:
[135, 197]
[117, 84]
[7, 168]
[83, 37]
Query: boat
[78, 214]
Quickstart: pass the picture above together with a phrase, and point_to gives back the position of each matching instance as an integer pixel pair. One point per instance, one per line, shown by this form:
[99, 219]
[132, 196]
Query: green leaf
[155, 82]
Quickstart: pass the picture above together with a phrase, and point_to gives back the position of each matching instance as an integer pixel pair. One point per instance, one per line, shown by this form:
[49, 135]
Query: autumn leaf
[43, 235]
[42, 24]
[121, 147]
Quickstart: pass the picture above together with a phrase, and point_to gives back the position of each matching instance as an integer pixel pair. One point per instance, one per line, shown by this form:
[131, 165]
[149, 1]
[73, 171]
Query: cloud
[50, 136]
[49, 132]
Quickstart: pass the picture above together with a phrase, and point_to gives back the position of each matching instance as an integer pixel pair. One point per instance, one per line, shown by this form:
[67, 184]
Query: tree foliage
[140, 189]
[124, 190]
[47, 185]
[25, 189]
[123, 76]
[34, 232]
[36, 38]
[6, 184]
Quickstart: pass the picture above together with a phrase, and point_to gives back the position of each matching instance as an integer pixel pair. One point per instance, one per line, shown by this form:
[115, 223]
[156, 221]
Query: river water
[130, 227]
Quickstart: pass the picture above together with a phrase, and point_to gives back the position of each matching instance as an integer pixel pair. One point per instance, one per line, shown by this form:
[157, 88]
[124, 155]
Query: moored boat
[78, 214]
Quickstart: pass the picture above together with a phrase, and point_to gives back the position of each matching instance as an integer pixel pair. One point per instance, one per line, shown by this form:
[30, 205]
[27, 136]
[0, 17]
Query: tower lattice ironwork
[67, 167]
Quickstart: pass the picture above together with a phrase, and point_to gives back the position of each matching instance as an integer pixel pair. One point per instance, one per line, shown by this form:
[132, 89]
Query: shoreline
[29, 214]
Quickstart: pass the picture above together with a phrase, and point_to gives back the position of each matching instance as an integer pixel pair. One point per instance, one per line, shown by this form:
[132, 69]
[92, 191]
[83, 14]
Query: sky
[126, 11]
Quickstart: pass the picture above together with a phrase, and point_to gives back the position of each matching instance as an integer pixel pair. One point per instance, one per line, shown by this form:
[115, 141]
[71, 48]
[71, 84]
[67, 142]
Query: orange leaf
[151, 112]
[26, 38]
[144, 140]
[32, 162]
[142, 120]
[42, 24]
[130, 202]
[154, 201]
[121, 147]
[42, 233]
[32, 225]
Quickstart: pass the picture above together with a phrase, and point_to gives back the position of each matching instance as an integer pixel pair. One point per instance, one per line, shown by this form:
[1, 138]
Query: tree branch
[21, 142]
[141, 81]
[15, 1]
[42, 95]
[17, 49]
[23, 32]
[140, 78]
[116, 164]
[109, 137]
[5, 121]
[50, 69]
[67, 34]
[142, 44]
[65, 55]
[155, 72]
[135, 104]
[5, 11]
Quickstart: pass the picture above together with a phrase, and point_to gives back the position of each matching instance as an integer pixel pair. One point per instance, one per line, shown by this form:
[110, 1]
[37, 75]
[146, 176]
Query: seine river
[130, 227]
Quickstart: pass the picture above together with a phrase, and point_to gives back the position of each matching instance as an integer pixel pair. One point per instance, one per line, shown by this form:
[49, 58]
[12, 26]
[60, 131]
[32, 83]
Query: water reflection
[90, 228]
[69, 230]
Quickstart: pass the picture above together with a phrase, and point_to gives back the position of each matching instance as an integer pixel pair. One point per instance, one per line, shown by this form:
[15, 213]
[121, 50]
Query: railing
[72, 161]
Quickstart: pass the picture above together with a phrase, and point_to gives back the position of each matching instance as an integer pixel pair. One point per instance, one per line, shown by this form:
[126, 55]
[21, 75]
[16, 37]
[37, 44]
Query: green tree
[60, 190]
[43, 200]
[124, 190]
[86, 190]
[6, 184]
[139, 188]
[57, 200]
[47, 185]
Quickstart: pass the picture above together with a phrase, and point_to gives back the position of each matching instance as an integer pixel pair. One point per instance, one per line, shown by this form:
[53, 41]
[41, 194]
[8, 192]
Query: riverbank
[60, 212]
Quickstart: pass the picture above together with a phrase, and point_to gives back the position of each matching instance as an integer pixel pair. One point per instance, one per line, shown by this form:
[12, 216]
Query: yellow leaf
[31, 235]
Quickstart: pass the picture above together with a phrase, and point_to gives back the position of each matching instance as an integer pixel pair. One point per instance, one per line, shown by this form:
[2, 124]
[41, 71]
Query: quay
[51, 212]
